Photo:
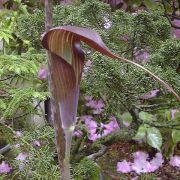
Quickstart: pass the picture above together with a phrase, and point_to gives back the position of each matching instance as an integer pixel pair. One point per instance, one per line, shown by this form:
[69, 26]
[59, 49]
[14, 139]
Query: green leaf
[150, 4]
[154, 137]
[145, 116]
[168, 115]
[126, 117]
[141, 133]
[135, 2]
[177, 116]
[2, 105]
[176, 136]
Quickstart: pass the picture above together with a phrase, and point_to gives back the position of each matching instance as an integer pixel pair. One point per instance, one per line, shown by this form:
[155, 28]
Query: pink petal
[18, 133]
[150, 94]
[36, 143]
[124, 167]
[21, 157]
[175, 161]
[77, 133]
[5, 168]
[42, 73]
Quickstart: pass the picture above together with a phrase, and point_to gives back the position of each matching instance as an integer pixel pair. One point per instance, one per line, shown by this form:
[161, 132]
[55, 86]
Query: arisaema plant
[63, 43]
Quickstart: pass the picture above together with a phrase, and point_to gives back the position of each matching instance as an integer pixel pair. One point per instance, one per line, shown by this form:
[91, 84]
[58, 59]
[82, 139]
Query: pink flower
[88, 98]
[5, 168]
[140, 163]
[86, 119]
[88, 63]
[126, 124]
[141, 56]
[110, 127]
[36, 143]
[94, 136]
[175, 161]
[18, 134]
[17, 145]
[157, 161]
[42, 73]
[139, 155]
[21, 157]
[173, 112]
[150, 95]
[175, 31]
[97, 106]
[125, 38]
[124, 167]
[77, 133]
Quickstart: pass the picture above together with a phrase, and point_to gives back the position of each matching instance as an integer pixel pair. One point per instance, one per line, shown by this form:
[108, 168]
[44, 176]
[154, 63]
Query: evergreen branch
[8, 78]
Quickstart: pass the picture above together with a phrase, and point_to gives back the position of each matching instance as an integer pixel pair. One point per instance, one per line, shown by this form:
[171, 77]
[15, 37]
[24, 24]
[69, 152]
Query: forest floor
[124, 151]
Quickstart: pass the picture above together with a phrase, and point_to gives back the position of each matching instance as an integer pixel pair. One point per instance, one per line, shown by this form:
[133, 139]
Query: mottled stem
[59, 133]
[68, 136]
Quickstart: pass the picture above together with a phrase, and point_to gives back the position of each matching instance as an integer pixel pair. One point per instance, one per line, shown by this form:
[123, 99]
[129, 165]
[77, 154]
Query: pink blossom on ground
[91, 126]
[88, 63]
[77, 133]
[36, 143]
[126, 124]
[87, 66]
[94, 136]
[18, 134]
[5, 168]
[21, 156]
[140, 164]
[157, 161]
[139, 155]
[124, 167]
[88, 98]
[173, 112]
[141, 56]
[96, 105]
[175, 161]
[42, 73]
[125, 38]
[86, 119]
[150, 95]
[17, 145]
[176, 31]
[110, 127]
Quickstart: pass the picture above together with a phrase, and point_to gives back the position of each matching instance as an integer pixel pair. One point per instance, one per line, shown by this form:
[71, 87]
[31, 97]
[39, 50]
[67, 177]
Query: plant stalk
[59, 133]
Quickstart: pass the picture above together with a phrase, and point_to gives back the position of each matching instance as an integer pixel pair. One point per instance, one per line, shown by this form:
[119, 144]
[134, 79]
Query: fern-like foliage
[20, 88]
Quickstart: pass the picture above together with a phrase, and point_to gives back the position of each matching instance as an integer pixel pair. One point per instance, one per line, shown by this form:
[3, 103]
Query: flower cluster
[96, 105]
[142, 163]
[96, 130]
[4, 168]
